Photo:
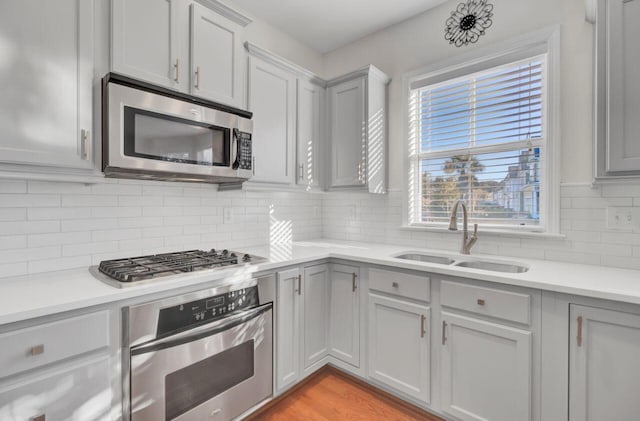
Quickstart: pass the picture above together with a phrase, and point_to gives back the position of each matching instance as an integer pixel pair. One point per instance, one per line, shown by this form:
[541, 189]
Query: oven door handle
[201, 331]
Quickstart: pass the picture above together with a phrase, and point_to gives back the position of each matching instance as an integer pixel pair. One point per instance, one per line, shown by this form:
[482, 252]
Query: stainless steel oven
[206, 355]
[152, 132]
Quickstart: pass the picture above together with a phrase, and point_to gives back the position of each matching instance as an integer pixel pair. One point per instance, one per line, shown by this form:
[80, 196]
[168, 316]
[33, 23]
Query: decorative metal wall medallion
[468, 22]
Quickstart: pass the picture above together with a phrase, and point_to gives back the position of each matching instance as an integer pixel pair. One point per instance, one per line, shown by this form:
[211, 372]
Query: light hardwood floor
[331, 395]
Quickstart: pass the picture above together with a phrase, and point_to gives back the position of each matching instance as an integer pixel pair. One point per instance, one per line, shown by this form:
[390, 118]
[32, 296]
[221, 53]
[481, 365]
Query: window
[481, 137]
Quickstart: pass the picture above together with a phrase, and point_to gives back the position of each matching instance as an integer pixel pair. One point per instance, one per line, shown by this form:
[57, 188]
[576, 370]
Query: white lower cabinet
[345, 314]
[79, 393]
[315, 296]
[302, 323]
[288, 329]
[604, 369]
[399, 345]
[486, 370]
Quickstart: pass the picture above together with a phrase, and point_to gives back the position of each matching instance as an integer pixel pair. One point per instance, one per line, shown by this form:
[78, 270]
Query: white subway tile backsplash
[58, 238]
[28, 200]
[11, 186]
[28, 227]
[582, 222]
[13, 214]
[35, 214]
[13, 242]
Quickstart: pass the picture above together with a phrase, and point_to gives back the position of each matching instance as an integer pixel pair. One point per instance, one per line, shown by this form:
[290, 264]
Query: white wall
[273, 39]
[419, 42]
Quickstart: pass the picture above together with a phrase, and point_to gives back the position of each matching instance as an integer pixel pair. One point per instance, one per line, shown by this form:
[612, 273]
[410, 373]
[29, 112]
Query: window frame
[543, 42]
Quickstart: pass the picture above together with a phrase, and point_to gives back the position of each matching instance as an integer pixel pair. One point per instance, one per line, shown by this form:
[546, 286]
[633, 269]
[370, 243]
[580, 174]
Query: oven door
[213, 372]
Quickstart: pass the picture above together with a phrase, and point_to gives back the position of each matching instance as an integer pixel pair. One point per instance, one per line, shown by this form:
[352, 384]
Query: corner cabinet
[617, 92]
[181, 45]
[272, 99]
[302, 323]
[604, 373]
[288, 106]
[345, 314]
[358, 130]
[46, 83]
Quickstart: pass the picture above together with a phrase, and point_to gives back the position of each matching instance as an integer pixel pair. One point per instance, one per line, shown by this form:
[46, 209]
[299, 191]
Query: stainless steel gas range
[204, 355]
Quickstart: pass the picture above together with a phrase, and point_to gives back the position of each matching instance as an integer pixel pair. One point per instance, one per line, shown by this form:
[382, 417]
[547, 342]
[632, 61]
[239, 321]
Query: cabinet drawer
[491, 302]
[36, 346]
[402, 284]
[78, 393]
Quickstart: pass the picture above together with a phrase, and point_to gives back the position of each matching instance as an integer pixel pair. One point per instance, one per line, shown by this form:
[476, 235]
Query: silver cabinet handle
[84, 144]
[444, 332]
[579, 337]
[253, 165]
[301, 171]
[394, 284]
[41, 417]
[299, 284]
[353, 282]
[423, 331]
[36, 350]
[197, 84]
[177, 67]
[480, 302]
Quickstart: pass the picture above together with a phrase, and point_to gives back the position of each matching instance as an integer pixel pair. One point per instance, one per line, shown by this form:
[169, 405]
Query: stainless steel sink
[429, 258]
[492, 266]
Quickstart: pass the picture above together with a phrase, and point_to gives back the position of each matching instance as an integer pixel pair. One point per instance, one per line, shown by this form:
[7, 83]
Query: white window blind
[480, 138]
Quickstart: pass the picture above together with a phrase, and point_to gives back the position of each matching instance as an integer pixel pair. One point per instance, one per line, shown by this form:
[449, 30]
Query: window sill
[488, 231]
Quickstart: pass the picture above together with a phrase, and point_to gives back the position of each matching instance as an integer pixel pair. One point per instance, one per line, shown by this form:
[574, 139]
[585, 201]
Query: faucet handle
[475, 230]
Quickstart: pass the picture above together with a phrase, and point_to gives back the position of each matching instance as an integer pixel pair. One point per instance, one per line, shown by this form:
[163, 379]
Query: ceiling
[325, 25]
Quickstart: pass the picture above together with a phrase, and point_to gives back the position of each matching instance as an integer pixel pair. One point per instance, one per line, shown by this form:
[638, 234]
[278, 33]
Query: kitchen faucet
[467, 242]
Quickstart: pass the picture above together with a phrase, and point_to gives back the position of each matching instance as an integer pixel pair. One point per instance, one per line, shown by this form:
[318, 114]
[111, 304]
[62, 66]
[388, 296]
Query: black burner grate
[145, 267]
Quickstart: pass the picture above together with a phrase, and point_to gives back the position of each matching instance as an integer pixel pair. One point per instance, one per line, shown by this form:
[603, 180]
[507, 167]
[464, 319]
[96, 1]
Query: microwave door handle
[236, 141]
[201, 331]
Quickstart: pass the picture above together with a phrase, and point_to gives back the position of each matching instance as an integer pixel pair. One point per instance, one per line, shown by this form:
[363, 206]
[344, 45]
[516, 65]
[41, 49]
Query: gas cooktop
[129, 271]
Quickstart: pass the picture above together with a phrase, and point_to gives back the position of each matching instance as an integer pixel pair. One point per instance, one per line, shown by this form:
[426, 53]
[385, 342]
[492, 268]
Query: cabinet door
[486, 370]
[216, 57]
[272, 98]
[604, 373]
[315, 310]
[308, 141]
[623, 101]
[145, 39]
[46, 82]
[287, 329]
[399, 345]
[348, 134]
[78, 393]
[345, 314]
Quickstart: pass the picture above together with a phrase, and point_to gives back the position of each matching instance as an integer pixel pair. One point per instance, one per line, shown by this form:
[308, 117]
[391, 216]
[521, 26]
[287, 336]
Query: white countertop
[39, 295]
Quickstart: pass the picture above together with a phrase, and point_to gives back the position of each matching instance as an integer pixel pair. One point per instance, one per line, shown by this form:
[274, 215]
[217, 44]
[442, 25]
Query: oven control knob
[225, 252]
[234, 255]
[246, 258]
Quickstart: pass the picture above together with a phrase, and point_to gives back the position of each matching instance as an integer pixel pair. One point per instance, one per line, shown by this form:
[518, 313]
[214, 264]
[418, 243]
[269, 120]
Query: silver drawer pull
[395, 284]
[37, 350]
[480, 302]
[41, 417]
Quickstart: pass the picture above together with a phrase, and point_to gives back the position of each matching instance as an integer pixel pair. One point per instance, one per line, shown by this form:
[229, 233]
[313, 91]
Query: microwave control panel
[244, 151]
[187, 315]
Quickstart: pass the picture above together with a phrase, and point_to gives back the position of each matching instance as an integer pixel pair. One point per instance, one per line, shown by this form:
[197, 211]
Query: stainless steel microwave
[153, 133]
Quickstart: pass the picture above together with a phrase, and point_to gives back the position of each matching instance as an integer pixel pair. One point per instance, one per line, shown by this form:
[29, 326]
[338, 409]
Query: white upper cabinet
[309, 141]
[348, 137]
[216, 57]
[617, 55]
[149, 48]
[604, 373]
[46, 82]
[181, 45]
[358, 130]
[272, 99]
